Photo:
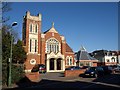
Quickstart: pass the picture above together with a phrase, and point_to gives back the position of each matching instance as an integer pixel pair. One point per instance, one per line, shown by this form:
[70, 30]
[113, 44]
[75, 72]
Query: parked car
[117, 69]
[73, 68]
[42, 68]
[107, 69]
[35, 68]
[85, 67]
[94, 72]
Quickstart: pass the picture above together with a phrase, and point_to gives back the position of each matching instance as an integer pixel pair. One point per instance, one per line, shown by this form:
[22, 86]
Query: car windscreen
[92, 68]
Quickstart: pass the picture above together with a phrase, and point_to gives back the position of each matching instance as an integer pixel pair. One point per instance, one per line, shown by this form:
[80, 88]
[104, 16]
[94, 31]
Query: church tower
[31, 34]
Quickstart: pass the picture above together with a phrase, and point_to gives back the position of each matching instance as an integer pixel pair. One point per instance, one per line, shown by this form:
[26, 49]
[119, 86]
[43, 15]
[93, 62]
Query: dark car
[39, 68]
[85, 67]
[94, 72]
[42, 68]
[107, 69]
[73, 68]
[35, 68]
[117, 69]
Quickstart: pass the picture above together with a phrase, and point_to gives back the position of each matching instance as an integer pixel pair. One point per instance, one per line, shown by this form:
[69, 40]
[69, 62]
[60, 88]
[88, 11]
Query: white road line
[94, 83]
[113, 85]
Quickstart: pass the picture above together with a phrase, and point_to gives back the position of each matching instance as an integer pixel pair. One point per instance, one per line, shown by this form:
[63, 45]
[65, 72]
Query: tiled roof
[68, 49]
[84, 55]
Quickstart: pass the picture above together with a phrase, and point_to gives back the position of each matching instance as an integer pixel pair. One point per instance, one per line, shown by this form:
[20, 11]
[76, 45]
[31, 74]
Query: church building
[48, 48]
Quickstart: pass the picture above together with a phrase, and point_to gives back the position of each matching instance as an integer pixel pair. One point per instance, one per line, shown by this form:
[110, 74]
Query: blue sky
[91, 24]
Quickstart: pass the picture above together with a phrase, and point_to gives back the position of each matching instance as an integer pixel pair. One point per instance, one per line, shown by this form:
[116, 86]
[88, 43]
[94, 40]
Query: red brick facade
[39, 48]
[73, 73]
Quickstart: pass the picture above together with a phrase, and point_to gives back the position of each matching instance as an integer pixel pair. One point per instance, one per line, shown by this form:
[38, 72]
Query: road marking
[113, 85]
[94, 83]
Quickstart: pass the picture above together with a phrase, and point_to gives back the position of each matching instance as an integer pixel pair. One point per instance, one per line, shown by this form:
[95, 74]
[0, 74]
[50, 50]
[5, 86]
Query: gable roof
[68, 49]
[52, 29]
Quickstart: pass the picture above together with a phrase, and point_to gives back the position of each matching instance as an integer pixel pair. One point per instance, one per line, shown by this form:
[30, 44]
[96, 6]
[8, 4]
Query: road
[107, 81]
[57, 80]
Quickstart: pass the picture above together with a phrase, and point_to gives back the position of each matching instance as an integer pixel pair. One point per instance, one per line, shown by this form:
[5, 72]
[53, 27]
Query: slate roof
[84, 55]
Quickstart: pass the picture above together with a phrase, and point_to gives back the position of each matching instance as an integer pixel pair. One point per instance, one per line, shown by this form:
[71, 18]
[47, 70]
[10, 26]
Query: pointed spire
[52, 24]
[82, 48]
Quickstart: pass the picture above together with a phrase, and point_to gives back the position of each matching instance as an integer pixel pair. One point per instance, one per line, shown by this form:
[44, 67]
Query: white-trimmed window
[31, 27]
[107, 60]
[113, 59]
[69, 60]
[30, 45]
[36, 28]
[52, 45]
[33, 45]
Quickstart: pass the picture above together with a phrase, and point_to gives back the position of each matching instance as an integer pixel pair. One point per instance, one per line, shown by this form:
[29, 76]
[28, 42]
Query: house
[84, 59]
[105, 57]
[118, 55]
[48, 48]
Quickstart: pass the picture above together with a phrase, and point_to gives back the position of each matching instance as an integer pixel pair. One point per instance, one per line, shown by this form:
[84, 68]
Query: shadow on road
[25, 83]
[109, 79]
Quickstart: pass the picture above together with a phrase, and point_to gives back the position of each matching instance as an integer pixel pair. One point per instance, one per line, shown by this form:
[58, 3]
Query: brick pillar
[47, 65]
[55, 64]
[42, 51]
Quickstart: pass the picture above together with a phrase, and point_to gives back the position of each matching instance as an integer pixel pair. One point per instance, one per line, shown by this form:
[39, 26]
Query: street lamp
[10, 59]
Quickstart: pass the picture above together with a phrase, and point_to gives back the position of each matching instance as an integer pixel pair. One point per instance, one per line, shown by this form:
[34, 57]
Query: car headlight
[92, 72]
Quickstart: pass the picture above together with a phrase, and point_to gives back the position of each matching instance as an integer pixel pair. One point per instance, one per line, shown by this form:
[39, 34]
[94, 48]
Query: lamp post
[10, 59]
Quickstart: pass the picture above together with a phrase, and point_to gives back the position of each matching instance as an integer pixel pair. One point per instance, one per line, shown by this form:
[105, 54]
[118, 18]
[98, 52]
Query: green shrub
[4, 74]
[17, 73]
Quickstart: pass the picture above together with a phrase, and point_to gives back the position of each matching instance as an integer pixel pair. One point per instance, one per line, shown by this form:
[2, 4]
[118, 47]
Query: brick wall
[73, 73]
[34, 77]
[94, 64]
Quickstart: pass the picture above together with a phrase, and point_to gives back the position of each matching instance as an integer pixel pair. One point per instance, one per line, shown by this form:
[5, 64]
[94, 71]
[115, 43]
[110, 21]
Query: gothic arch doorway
[59, 63]
[51, 64]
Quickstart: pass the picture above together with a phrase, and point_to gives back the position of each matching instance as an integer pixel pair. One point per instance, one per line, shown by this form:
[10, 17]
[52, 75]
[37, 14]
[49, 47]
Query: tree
[6, 40]
[5, 8]
[18, 51]
[19, 54]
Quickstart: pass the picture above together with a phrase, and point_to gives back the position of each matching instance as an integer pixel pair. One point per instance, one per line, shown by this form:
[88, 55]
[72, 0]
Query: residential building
[48, 48]
[105, 57]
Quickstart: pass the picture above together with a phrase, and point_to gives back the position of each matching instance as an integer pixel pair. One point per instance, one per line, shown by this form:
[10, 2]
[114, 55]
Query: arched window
[67, 60]
[70, 61]
[52, 46]
[113, 59]
[30, 27]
